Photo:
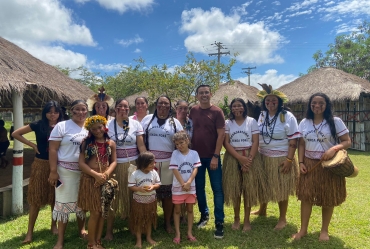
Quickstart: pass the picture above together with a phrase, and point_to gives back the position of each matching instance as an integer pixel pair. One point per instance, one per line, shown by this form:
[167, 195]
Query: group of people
[76, 158]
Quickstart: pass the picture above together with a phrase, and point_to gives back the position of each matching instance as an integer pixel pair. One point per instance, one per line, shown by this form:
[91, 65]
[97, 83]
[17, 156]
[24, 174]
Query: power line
[248, 72]
[219, 53]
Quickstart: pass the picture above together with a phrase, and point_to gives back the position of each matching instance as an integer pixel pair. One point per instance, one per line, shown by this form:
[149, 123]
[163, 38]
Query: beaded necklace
[126, 128]
[269, 126]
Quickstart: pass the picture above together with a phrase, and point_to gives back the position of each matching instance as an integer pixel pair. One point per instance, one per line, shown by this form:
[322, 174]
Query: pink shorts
[185, 198]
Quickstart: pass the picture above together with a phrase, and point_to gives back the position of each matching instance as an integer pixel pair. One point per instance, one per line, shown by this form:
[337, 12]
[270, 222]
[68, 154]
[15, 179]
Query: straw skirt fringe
[321, 187]
[141, 215]
[89, 196]
[237, 183]
[121, 203]
[278, 185]
[40, 192]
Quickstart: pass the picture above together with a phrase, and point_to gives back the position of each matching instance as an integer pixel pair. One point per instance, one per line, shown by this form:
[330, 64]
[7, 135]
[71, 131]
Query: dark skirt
[320, 187]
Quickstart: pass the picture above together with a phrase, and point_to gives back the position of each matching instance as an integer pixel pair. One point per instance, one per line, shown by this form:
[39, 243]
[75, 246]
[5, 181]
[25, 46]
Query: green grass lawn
[350, 226]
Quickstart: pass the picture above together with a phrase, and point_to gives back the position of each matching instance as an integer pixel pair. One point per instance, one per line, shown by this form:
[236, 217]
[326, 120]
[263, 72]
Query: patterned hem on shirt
[144, 198]
[122, 153]
[272, 153]
[69, 165]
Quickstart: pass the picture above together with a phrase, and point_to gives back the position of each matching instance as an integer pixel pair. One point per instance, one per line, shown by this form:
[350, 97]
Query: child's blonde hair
[180, 135]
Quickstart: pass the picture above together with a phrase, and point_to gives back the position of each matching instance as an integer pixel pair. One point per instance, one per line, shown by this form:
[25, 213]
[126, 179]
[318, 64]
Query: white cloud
[255, 43]
[106, 67]
[306, 12]
[276, 3]
[348, 27]
[41, 21]
[136, 40]
[241, 10]
[304, 4]
[137, 50]
[330, 3]
[123, 5]
[54, 55]
[352, 7]
[42, 28]
[271, 77]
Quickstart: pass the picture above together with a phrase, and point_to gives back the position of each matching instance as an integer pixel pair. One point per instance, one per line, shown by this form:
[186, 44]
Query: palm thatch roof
[235, 90]
[36, 80]
[335, 83]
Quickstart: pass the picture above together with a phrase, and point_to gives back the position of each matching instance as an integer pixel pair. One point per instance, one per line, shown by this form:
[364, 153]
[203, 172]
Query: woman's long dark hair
[44, 121]
[154, 116]
[328, 113]
[245, 112]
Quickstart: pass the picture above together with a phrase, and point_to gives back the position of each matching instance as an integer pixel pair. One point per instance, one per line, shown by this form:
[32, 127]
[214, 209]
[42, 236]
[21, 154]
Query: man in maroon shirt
[208, 136]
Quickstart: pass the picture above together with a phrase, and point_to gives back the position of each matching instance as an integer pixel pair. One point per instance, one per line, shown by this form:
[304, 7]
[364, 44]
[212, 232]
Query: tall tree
[349, 53]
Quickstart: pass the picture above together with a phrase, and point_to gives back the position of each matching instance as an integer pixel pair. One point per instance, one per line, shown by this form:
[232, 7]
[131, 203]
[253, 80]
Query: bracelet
[301, 162]
[289, 160]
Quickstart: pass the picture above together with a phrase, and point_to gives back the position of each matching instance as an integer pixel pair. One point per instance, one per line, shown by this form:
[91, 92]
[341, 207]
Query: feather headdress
[101, 97]
[267, 90]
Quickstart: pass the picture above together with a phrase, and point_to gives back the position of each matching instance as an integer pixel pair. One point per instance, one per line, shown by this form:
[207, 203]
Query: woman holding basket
[322, 135]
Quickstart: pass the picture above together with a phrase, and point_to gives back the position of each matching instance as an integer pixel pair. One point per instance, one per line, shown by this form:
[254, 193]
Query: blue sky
[277, 37]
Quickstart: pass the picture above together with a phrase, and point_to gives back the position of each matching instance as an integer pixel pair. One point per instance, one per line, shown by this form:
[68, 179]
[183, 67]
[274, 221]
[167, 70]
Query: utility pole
[219, 53]
[248, 72]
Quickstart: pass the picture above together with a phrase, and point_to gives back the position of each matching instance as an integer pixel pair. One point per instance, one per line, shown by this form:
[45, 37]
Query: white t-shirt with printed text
[318, 138]
[185, 164]
[129, 148]
[160, 137]
[70, 136]
[139, 179]
[281, 134]
[241, 135]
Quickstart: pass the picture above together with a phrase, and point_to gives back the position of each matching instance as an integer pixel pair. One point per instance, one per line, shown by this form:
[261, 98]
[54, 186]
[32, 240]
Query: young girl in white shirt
[184, 164]
[143, 182]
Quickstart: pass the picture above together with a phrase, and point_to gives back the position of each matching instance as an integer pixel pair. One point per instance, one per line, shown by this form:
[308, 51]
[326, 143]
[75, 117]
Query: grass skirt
[236, 183]
[278, 185]
[40, 192]
[89, 197]
[321, 187]
[141, 215]
[123, 197]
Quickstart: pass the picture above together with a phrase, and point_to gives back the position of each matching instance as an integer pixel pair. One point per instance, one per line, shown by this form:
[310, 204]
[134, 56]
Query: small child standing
[143, 182]
[184, 164]
[97, 161]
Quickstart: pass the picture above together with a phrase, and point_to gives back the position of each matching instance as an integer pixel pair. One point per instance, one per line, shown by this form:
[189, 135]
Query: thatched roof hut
[349, 93]
[235, 90]
[36, 80]
[337, 84]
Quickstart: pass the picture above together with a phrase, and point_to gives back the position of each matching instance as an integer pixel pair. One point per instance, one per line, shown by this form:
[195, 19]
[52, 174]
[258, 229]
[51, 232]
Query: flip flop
[192, 239]
[176, 240]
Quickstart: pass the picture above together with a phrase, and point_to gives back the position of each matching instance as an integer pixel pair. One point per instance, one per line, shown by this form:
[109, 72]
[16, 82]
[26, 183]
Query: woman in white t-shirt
[159, 129]
[320, 133]
[64, 150]
[277, 145]
[128, 135]
[240, 172]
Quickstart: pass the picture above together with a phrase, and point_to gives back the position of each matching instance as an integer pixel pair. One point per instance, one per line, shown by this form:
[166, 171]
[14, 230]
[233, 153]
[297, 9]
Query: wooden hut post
[17, 179]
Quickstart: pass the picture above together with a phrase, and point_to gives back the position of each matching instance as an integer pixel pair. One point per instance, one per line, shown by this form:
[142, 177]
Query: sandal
[192, 239]
[90, 246]
[176, 240]
[99, 244]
